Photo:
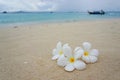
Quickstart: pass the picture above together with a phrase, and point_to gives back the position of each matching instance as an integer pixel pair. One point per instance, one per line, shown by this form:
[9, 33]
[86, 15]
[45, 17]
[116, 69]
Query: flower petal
[94, 52]
[78, 54]
[93, 59]
[55, 57]
[86, 45]
[86, 59]
[62, 61]
[77, 48]
[54, 52]
[67, 51]
[59, 46]
[80, 65]
[69, 67]
[65, 45]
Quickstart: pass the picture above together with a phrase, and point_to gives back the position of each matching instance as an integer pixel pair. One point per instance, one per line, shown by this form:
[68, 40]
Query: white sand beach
[26, 50]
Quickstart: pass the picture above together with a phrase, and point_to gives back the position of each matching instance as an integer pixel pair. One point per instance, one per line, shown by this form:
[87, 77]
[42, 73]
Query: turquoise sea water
[11, 18]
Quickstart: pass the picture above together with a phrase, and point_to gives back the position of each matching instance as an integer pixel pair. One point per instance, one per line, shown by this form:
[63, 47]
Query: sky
[59, 5]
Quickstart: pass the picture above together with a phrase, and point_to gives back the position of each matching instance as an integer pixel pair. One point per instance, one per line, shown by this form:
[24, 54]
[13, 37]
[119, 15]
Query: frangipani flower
[89, 56]
[70, 61]
[58, 51]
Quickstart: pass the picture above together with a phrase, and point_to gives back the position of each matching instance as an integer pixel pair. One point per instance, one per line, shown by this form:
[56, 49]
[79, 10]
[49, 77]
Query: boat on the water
[97, 12]
[4, 12]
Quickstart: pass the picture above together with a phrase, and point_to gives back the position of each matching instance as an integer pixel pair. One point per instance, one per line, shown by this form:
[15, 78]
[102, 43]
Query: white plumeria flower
[70, 61]
[89, 56]
[58, 51]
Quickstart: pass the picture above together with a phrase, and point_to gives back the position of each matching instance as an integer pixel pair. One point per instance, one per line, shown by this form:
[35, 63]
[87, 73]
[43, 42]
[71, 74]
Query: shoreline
[57, 22]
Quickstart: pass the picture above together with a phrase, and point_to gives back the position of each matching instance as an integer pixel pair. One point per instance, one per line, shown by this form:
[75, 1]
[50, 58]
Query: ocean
[43, 17]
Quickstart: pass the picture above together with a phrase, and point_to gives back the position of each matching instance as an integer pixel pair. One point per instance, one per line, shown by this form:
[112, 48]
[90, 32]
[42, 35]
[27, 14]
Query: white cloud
[24, 5]
[58, 5]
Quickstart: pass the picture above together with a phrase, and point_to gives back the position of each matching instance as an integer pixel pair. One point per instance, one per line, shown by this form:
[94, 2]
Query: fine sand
[26, 50]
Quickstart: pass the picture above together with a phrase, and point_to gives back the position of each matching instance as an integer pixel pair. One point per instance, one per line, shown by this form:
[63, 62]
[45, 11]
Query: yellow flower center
[61, 52]
[72, 60]
[86, 53]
